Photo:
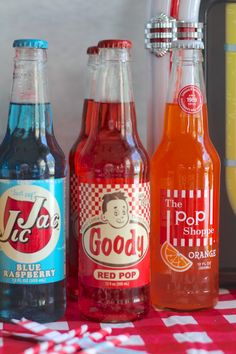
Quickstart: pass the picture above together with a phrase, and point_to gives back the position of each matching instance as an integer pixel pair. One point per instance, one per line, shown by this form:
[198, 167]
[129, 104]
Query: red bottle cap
[93, 50]
[115, 43]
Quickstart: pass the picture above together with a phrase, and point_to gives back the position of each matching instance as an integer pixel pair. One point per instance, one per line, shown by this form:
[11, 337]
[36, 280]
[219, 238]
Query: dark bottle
[92, 66]
[32, 196]
[113, 174]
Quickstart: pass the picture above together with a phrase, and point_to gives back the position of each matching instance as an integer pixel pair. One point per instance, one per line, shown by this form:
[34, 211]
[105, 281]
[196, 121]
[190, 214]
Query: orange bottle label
[114, 235]
[187, 229]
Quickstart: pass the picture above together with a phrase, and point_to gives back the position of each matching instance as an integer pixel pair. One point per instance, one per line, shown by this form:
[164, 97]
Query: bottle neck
[114, 84]
[186, 111]
[29, 77]
[92, 70]
[29, 114]
[186, 70]
[29, 121]
[114, 93]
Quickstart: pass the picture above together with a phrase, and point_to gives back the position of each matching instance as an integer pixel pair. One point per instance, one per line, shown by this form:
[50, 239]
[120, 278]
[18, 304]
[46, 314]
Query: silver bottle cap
[159, 34]
[187, 35]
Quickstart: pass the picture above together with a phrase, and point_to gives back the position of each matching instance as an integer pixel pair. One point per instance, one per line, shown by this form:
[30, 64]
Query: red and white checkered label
[114, 234]
[74, 191]
[73, 205]
[188, 225]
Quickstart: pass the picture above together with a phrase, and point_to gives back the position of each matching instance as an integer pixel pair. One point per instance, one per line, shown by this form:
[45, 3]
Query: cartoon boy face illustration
[115, 209]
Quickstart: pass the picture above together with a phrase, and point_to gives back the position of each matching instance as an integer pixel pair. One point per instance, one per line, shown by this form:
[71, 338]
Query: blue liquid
[30, 151]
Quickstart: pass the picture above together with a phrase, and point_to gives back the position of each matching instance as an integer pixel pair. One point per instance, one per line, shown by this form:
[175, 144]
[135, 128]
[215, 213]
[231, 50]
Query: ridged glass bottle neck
[186, 111]
[29, 77]
[114, 113]
[92, 70]
[30, 112]
[186, 70]
[114, 83]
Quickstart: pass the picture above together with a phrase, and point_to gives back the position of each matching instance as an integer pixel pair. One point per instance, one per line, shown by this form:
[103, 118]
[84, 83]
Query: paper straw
[42, 347]
[28, 336]
[49, 334]
[68, 345]
[106, 345]
[189, 10]
[41, 332]
[39, 348]
[175, 9]
[74, 345]
[157, 80]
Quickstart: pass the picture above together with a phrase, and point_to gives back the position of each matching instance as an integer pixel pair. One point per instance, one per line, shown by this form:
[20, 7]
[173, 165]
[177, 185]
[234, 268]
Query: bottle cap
[93, 50]
[30, 43]
[115, 43]
[188, 35]
[159, 34]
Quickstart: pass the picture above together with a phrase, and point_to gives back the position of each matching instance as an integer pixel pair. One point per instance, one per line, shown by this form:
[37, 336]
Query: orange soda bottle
[185, 179]
[92, 66]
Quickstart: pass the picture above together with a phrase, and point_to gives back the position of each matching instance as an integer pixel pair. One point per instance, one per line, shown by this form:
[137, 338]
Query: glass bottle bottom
[109, 305]
[40, 303]
[192, 306]
[45, 315]
[172, 293]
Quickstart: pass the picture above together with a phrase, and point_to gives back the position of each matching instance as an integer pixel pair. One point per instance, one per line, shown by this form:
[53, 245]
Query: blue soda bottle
[32, 196]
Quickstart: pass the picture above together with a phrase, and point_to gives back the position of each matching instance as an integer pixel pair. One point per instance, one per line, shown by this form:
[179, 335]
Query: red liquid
[75, 152]
[113, 155]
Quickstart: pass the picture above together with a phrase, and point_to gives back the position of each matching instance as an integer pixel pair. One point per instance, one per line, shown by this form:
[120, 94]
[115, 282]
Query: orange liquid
[185, 160]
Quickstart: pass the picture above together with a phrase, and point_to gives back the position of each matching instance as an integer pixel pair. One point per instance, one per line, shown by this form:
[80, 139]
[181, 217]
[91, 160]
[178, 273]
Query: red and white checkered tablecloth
[202, 332]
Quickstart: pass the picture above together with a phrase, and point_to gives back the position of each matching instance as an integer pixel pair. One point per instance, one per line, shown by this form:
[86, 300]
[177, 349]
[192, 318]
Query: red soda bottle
[114, 209]
[75, 152]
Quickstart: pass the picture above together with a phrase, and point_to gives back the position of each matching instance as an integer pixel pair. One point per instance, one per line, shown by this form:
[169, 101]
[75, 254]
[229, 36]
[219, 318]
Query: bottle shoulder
[114, 157]
[186, 150]
[77, 148]
[114, 150]
[31, 158]
[189, 166]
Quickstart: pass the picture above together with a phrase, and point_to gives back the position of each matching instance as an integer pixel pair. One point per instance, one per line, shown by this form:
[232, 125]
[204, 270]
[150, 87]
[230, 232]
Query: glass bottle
[185, 175]
[32, 196]
[92, 67]
[114, 192]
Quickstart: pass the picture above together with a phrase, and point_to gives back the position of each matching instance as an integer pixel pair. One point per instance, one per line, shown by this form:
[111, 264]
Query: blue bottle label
[32, 231]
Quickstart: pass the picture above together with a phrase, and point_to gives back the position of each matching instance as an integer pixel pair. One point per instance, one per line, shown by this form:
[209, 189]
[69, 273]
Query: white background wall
[71, 26]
